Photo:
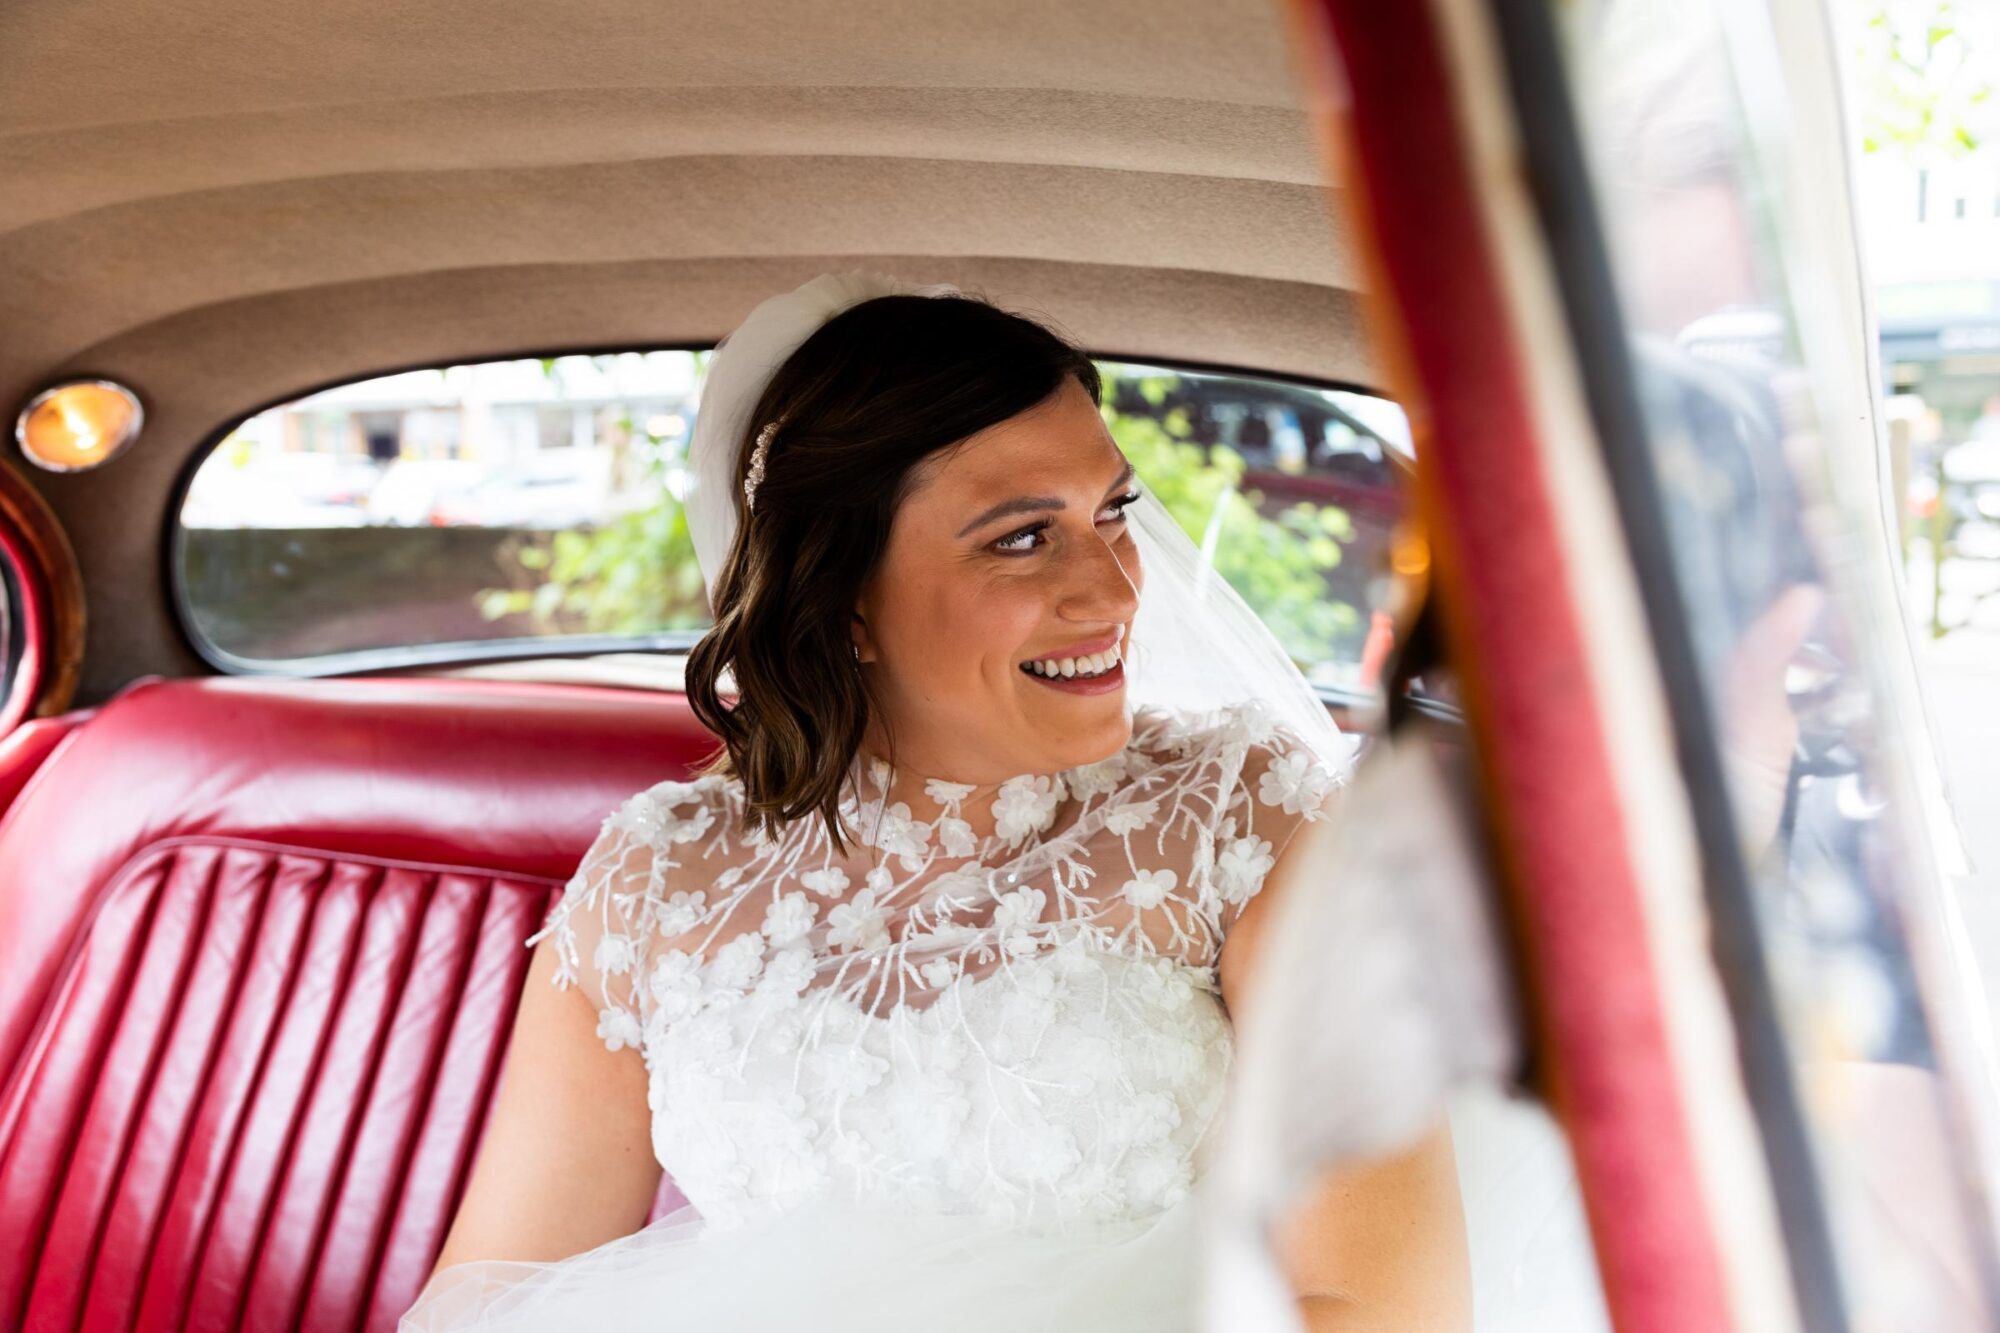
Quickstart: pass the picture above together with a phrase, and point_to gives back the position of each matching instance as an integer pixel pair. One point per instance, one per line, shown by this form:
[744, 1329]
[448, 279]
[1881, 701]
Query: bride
[921, 994]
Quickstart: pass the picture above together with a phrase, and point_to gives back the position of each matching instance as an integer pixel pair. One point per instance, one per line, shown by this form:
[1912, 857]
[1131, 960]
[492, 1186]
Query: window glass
[530, 506]
[1751, 380]
[450, 513]
[1293, 490]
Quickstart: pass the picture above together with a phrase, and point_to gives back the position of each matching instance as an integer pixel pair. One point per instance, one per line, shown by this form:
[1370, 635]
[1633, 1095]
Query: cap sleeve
[612, 909]
[1282, 783]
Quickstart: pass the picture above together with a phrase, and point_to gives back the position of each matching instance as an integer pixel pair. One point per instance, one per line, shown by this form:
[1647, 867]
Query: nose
[1101, 583]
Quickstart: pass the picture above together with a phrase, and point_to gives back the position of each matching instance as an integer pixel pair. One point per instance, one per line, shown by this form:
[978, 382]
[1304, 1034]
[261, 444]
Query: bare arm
[1378, 1244]
[567, 1161]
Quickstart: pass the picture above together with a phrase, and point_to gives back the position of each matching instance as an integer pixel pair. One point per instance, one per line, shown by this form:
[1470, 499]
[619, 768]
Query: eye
[1115, 511]
[1024, 541]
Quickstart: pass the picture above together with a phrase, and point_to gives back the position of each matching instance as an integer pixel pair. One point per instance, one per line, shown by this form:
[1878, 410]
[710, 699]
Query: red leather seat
[260, 948]
[23, 750]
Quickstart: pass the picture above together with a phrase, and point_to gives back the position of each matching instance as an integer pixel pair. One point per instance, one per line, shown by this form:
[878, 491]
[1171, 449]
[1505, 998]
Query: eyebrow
[1034, 504]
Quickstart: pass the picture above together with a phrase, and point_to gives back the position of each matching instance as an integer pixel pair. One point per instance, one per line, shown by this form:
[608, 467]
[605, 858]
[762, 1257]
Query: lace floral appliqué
[1025, 1025]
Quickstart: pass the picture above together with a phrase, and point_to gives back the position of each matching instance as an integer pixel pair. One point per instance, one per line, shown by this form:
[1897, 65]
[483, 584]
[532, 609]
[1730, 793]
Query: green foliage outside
[637, 575]
[1921, 90]
[1278, 562]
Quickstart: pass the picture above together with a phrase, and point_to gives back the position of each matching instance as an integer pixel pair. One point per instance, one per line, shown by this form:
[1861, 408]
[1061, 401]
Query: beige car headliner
[224, 203]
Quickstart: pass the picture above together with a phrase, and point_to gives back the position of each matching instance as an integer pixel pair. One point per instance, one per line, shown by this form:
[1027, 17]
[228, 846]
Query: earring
[857, 653]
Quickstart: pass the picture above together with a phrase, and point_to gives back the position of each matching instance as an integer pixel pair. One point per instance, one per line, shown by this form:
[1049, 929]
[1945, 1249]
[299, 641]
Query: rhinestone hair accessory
[756, 474]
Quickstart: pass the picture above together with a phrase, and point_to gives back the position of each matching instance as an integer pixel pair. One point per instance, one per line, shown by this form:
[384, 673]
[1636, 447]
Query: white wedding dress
[933, 1081]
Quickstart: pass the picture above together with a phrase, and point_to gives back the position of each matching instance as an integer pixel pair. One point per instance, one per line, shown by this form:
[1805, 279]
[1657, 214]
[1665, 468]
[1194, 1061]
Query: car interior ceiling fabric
[237, 209]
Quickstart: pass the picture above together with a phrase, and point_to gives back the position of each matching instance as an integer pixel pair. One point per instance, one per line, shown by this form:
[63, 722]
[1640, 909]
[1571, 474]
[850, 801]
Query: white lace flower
[939, 972]
[1098, 778]
[789, 918]
[709, 1033]
[850, 1071]
[955, 837]
[1130, 817]
[693, 827]
[1025, 805]
[1145, 1118]
[828, 883]
[880, 881]
[1162, 982]
[928, 1113]
[682, 913]
[858, 923]
[898, 834]
[781, 1031]
[1242, 867]
[788, 972]
[614, 955]
[737, 963]
[1236, 727]
[618, 1029]
[676, 983]
[642, 817]
[1149, 888]
[947, 793]
[1018, 910]
[1293, 782]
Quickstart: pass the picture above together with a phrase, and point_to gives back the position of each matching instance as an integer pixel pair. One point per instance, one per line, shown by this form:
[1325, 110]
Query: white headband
[737, 375]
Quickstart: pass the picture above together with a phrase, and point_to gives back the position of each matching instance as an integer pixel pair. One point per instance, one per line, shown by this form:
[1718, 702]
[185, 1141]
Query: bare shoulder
[1312, 844]
[566, 1163]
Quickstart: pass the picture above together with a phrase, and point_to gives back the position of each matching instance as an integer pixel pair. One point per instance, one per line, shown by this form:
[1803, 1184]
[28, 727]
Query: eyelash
[1118, 507]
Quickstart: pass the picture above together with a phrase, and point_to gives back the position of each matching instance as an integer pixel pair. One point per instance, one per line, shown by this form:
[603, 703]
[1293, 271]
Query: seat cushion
[263, 944]
[23, 749]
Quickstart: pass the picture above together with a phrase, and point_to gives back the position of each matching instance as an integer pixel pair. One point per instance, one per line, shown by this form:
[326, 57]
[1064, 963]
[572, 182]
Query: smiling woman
[878, 594]
[927, 969]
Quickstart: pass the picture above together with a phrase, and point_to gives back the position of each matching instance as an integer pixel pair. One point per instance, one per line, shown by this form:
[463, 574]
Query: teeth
[1095, 664]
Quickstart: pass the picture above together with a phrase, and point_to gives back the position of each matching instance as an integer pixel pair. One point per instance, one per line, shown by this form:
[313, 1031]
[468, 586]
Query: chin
[1074, 745]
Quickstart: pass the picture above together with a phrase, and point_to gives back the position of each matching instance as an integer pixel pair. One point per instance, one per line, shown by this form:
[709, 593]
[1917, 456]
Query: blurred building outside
[564, 440]
[1924, 91]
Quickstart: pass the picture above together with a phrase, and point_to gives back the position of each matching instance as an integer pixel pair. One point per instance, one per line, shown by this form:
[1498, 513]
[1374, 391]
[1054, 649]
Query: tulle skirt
[840, 1267]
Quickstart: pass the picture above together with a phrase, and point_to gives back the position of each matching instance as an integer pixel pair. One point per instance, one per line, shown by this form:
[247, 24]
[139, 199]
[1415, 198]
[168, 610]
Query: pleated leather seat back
[260, 950]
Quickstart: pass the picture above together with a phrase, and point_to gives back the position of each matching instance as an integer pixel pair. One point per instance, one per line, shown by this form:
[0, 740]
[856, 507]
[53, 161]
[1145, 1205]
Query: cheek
[1000, 621]
[960, 632]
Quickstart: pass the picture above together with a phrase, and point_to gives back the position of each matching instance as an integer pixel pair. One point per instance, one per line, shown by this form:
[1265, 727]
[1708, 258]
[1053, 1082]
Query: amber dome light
[76, 426]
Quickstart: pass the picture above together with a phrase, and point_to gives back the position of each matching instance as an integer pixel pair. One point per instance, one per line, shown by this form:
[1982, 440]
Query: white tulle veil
[1196, 646]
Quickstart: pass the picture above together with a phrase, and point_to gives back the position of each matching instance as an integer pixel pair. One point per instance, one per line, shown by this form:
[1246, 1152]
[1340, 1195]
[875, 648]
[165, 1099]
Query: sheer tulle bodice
[1024, 1026]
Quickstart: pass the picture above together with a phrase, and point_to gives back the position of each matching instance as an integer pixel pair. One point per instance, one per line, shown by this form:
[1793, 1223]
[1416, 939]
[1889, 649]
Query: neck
[908, 781]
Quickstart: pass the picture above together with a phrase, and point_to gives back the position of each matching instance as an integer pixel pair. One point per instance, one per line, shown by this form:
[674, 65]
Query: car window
[530, 507]
[1752, 395]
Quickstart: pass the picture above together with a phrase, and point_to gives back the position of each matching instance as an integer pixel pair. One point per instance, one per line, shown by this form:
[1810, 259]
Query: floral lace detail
[1026, 1025]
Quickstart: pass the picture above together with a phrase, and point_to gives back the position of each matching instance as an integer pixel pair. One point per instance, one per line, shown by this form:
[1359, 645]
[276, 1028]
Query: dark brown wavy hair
[875, 392]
